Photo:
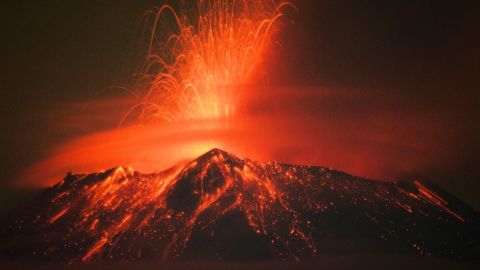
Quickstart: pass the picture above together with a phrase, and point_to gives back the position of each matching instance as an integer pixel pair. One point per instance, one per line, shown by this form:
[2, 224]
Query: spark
[199, 69]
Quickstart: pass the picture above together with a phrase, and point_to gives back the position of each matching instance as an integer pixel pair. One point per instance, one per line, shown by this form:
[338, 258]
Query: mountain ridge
[221, 206]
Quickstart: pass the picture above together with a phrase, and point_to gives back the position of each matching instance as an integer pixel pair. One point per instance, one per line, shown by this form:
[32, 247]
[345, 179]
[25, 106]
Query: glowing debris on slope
[128, 215]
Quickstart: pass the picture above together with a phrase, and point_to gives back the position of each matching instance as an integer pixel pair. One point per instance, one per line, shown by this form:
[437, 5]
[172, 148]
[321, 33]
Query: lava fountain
[200, 68]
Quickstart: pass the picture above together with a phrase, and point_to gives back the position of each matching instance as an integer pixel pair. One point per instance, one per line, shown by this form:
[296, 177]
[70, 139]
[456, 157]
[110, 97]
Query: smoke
[367, 132]
[343, 129]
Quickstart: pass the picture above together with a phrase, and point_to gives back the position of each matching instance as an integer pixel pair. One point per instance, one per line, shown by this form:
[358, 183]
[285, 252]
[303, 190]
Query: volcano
[221, 206]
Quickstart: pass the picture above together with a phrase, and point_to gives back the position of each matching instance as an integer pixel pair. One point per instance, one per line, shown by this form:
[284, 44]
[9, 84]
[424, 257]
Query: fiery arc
[199, 70]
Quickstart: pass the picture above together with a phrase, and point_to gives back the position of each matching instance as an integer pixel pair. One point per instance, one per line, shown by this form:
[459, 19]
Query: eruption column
[199, 70]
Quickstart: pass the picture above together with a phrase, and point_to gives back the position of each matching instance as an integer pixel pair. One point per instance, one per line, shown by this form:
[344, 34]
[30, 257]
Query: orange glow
[278, 202]
[288, 139]
[200, 68]
[196, 80]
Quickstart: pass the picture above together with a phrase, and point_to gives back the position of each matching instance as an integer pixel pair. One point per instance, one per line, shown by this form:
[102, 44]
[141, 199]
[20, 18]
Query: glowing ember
[198, 69]
[290, 210]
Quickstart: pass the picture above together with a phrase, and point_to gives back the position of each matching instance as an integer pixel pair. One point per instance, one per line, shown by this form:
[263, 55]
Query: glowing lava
[184, 211]
[200, 68]
[200, 72]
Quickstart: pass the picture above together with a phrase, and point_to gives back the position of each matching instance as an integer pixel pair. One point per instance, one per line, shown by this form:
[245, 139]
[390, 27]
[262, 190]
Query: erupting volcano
[220, 206]
[198, 89]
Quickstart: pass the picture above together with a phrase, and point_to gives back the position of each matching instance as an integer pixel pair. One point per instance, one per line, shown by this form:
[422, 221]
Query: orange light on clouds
[199, 91]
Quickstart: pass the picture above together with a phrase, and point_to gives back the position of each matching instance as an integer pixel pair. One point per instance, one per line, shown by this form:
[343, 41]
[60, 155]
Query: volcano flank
[221, 206]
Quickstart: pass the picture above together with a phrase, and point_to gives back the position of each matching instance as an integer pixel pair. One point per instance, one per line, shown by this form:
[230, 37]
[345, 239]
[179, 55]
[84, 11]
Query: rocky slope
[221, 206]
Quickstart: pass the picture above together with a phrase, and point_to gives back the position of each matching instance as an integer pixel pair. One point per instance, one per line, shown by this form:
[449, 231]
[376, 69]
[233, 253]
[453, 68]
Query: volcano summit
[220, 206]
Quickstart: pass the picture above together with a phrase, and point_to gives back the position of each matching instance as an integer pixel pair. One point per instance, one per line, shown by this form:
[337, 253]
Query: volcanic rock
[221, 206]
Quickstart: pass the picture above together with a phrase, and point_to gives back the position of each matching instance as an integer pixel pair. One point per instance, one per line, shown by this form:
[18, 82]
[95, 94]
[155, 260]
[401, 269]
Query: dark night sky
[403, 56]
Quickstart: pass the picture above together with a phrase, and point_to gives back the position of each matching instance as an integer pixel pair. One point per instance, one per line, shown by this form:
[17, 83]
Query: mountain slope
[220, 206]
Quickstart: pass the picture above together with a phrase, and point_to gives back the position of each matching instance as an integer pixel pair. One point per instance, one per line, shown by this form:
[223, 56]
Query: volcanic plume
[221, 206]
[195, 84]
[198, 68]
